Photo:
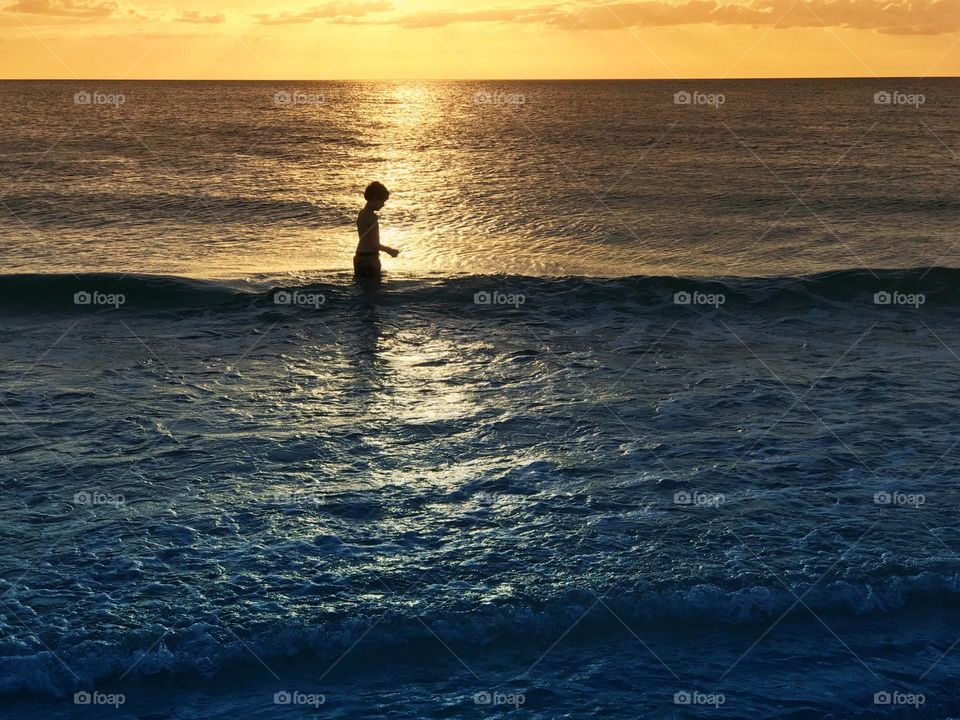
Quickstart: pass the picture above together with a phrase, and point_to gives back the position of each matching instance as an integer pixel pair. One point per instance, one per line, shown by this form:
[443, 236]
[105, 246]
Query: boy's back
[368, 227]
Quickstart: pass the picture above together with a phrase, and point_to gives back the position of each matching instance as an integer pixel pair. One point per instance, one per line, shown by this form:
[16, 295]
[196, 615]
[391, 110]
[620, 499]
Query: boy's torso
[368, 230]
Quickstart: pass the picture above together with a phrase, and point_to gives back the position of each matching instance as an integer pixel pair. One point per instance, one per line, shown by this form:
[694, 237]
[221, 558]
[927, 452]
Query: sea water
[654, 416]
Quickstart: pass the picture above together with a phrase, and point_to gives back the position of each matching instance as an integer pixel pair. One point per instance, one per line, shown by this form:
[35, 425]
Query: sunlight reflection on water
[604, 178]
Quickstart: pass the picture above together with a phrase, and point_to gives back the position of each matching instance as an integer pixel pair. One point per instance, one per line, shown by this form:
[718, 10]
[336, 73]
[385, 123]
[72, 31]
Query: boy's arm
[376, 238]
[388, 250]
[370, 231]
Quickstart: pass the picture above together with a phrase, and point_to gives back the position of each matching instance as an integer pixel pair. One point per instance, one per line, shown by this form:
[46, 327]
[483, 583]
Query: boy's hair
[376, 191]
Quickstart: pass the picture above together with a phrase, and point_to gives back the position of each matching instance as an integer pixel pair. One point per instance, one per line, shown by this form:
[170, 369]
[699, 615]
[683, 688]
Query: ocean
[654, 416]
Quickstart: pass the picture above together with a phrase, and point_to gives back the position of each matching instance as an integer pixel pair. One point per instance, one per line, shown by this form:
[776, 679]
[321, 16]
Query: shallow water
[593, 499]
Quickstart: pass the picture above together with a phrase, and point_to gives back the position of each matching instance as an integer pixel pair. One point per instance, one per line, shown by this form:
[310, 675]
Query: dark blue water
[586, 503]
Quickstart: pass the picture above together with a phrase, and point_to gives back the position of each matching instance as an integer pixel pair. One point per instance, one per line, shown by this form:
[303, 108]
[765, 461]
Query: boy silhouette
[366, 263]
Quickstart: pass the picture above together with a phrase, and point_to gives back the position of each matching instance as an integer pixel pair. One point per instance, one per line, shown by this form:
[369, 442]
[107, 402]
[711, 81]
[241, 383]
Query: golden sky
[408, 39]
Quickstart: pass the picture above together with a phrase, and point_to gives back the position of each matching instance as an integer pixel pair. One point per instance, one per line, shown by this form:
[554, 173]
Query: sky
[469, 39]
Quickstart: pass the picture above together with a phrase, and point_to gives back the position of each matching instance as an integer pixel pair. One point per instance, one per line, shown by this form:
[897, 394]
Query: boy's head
[376, 194]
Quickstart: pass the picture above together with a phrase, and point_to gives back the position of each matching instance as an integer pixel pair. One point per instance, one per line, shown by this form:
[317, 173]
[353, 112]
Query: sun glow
[379, 39]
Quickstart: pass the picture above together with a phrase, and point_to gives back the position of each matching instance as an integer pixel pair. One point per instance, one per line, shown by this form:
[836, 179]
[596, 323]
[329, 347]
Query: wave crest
[58, 292]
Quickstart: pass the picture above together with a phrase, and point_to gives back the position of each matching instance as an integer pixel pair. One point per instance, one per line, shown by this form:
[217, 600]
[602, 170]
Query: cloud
[334, 11]
[281, 19]
[346, 8]
[195, 16]
[892, 17]
[448, 17]
[64, 8]
[903, 16]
